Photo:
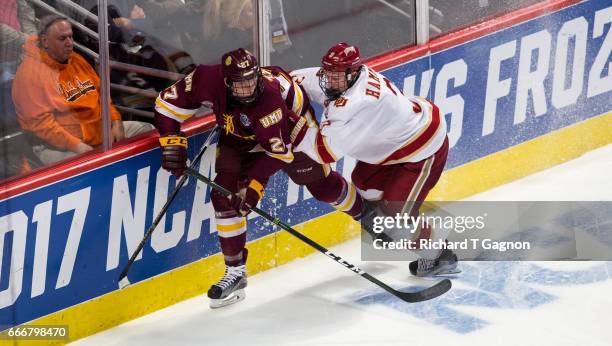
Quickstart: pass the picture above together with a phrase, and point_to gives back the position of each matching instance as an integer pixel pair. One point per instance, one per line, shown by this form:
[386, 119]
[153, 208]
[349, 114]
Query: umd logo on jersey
[271, 118]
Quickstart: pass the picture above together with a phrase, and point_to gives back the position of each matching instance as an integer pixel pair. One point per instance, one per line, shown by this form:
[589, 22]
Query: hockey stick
[123, 280]
[431, 292]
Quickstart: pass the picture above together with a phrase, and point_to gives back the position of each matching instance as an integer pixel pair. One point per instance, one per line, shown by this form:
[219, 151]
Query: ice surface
[314, 301]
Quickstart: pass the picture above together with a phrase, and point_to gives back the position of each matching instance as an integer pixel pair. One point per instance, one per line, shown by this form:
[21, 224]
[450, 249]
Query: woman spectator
[226, 24]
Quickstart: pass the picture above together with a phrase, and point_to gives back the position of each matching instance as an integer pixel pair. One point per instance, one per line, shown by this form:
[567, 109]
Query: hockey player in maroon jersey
[400, 142]
[263, 115]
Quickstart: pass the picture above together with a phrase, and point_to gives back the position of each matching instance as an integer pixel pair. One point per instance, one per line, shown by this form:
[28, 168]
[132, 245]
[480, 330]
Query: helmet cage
[334, 87]
[245, 90]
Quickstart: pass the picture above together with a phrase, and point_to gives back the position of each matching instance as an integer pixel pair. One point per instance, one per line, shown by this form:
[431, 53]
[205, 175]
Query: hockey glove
[174, 153]
[247, 198]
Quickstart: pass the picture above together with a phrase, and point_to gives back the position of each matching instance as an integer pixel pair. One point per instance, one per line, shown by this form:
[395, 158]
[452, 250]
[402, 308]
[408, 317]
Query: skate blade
[448, 271]
[237, 296]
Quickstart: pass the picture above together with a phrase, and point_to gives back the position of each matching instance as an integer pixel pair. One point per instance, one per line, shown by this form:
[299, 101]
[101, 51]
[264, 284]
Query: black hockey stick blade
[431, 292]
[428, 293]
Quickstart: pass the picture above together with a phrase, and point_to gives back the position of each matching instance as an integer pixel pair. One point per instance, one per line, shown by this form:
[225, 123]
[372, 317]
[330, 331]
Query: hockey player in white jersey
[399, 141]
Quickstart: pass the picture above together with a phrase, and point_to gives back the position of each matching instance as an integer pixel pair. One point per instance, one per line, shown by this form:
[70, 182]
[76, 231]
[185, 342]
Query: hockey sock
[335, 190]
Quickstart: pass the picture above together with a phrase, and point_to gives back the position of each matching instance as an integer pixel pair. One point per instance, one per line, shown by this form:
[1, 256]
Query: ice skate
[230, 289]
[366, 218]
[445, 264]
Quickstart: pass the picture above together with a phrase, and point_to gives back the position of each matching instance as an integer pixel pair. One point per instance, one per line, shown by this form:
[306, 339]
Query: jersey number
[277, 145]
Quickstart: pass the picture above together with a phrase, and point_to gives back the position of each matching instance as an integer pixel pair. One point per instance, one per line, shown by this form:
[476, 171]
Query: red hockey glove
[247, 198]
[174, 153]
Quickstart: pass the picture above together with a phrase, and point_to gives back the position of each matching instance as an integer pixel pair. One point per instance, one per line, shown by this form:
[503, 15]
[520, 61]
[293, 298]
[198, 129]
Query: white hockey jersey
[371, 122]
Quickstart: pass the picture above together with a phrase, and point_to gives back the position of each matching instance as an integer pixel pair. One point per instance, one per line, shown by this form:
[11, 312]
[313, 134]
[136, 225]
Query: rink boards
[519, 97]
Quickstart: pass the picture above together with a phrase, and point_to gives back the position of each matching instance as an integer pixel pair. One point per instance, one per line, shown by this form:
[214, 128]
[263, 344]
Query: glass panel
[38, 125]
[17, 21]
[50, 90]
[302, 31]
[224, 25]
[445, 15]
[154, 43]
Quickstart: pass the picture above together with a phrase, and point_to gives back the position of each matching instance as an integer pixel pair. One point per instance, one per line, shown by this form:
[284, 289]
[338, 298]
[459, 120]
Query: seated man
[56, 96]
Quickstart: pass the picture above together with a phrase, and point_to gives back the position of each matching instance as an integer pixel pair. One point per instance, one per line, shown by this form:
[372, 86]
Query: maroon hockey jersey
[276, 121]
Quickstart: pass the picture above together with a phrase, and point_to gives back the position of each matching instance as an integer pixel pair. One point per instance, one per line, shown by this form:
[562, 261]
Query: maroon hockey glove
[247, 198]
[174, 153]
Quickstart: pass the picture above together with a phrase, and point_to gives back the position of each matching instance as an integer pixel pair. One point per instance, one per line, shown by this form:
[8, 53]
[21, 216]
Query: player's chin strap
[123, 280]
[431, 292]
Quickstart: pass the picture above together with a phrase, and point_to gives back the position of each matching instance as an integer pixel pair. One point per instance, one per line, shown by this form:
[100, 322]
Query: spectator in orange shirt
[56, 96]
